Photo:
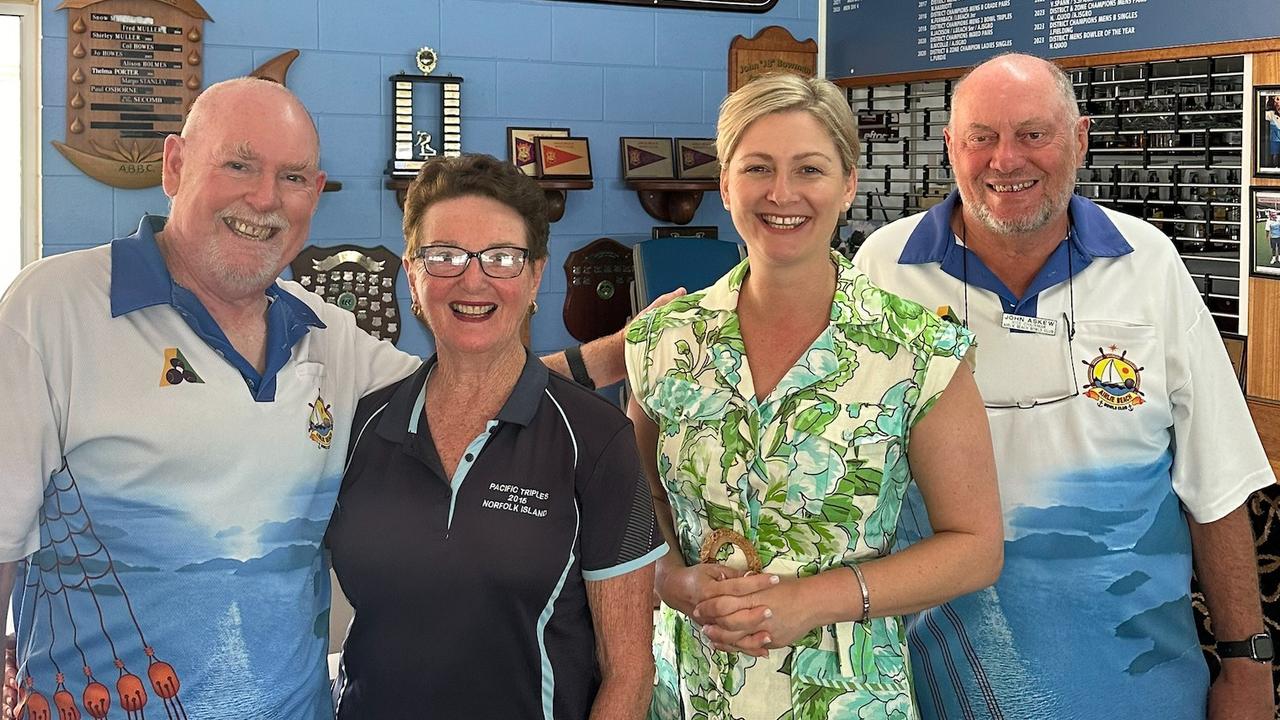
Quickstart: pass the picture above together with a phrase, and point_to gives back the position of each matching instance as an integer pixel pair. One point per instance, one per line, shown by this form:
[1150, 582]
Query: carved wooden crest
[598, 278]
[133, 69]
[772, 50]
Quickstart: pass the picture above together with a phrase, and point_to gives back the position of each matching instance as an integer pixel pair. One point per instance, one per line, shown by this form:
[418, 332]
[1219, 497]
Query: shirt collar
[140, 279]
[1095, 234]
[405, 406]
[850, 284]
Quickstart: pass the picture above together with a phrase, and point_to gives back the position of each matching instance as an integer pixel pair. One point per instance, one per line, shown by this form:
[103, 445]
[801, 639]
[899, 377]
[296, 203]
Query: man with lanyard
[175, 431]
[1123, 444]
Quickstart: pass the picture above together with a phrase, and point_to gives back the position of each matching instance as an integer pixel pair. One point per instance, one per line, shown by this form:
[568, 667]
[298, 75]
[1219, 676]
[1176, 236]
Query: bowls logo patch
[1114, 380]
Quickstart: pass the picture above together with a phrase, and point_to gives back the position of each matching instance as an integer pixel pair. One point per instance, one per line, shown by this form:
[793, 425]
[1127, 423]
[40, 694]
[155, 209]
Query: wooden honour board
[133, 69]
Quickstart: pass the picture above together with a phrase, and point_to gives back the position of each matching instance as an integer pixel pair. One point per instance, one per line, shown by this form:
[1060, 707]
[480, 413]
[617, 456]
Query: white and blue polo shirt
[470, 591]
[168, 499]
[1126, 425]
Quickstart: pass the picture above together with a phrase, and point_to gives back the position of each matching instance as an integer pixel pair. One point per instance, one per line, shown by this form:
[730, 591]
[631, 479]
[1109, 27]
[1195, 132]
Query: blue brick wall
[601, 70]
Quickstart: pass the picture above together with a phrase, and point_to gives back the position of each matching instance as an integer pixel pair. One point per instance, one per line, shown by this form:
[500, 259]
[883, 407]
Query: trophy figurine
[424, 145]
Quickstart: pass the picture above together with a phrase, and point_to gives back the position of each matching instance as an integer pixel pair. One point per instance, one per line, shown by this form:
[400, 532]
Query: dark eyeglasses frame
[421, 254]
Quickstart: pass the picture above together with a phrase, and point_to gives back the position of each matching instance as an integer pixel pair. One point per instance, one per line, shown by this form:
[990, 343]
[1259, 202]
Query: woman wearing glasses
[493, 532]
[782, 413]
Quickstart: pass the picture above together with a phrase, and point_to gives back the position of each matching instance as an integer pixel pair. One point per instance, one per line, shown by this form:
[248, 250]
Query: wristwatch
[1258, 648]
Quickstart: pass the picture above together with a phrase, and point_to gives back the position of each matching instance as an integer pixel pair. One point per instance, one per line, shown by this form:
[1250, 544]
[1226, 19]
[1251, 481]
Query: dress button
[469, 457]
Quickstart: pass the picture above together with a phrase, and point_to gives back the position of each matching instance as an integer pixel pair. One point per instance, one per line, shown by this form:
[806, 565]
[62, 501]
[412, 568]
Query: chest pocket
[1121, 367]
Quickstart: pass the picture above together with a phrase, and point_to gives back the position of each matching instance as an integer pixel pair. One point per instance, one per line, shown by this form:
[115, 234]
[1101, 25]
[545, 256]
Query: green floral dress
[813, 477]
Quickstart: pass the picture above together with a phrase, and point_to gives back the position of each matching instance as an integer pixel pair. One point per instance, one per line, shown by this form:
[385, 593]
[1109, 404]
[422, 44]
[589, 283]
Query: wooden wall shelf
[673, 201]
[555, 190]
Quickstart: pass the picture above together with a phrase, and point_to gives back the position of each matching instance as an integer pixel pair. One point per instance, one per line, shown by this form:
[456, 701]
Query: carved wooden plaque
[599, 277]
[133, 69]
[772, 50]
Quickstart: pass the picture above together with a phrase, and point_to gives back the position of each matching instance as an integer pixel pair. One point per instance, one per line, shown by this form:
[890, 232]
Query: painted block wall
[602, 70]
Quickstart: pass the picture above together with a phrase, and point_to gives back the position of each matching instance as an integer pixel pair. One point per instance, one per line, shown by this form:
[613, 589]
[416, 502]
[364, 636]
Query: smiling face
[244, 182]
[1014, 153]
[785, 188]
[474, 314]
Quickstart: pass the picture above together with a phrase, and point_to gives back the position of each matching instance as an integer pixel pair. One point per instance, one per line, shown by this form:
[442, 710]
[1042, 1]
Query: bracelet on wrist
[866, 595]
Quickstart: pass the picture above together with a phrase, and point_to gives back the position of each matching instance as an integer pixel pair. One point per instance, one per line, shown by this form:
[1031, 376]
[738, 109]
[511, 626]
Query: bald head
[229, 98]
[1017, 70]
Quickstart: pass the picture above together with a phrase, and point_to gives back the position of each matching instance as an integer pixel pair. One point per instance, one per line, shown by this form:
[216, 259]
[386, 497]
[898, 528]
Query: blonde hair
[784, 93]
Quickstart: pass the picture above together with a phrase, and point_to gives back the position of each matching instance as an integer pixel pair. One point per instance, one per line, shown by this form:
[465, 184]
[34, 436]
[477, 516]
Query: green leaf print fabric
[813, 476]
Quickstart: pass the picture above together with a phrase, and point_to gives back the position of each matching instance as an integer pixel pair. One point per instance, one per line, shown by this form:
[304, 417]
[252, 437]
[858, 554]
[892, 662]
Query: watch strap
[578, 368]
[1257, 647]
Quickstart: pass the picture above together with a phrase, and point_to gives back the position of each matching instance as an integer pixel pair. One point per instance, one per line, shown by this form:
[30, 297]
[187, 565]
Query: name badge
[1023, 323]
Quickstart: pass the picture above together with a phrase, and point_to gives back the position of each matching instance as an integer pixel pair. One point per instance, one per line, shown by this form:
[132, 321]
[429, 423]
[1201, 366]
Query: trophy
[411, 142]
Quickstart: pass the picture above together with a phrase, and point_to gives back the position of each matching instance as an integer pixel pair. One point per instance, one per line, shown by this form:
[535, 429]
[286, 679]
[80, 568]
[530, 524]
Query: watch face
[1263, 648]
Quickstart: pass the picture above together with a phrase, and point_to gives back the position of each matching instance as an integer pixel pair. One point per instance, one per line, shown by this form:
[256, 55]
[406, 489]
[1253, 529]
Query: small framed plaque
[520, 145]
[1264, 235]
[697, 158]
[566, 158]
[647, 158]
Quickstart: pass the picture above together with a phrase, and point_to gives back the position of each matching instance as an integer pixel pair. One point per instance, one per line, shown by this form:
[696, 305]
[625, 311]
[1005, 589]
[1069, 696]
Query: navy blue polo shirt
[469, 592]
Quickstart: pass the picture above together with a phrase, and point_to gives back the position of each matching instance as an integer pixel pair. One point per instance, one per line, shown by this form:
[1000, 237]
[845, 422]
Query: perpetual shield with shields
[599, 277]
[361, 280]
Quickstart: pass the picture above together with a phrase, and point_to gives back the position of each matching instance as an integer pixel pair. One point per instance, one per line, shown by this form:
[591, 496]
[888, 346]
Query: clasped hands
[739, 611]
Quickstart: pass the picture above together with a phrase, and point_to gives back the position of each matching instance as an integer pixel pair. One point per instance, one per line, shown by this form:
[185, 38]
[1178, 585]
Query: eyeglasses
[1068, 322]
[449, 261]
[1028, 403]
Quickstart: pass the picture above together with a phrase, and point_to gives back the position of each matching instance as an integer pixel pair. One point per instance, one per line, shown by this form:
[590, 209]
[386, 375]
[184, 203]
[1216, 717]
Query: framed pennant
[698, 159]
[647, 158]
[520, 146]
[562, 158]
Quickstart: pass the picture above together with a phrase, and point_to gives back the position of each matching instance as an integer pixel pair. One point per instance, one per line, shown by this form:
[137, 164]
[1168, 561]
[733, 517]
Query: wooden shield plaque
[598, 278]
[133, 69]
[360, 280]
[772, 50]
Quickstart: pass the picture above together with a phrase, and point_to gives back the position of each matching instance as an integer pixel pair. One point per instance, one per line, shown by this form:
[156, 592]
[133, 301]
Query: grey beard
[1018, 226]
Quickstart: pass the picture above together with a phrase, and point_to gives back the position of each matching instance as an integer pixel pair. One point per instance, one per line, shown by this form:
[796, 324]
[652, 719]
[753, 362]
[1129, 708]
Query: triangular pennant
[639, 157]
[553, 157]
[524, 151]
[691, 158]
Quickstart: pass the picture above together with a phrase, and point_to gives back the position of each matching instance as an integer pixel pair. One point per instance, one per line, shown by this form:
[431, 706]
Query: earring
[847, 205]
[533, 307]
[416, 309]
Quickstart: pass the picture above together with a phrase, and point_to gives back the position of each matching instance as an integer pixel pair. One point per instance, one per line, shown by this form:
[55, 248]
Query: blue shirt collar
[1095, 235]
[140, 279]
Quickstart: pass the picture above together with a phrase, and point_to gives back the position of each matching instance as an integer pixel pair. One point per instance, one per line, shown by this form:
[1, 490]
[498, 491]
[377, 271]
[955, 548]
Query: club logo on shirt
[320, 424]
[1114, 380]
[176, 369]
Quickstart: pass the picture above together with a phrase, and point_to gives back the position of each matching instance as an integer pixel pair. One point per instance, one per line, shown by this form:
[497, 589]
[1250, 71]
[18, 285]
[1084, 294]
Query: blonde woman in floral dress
[781, 414]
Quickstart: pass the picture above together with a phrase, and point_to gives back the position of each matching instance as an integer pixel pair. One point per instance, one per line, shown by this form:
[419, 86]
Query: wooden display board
[133, 69]
[772, 50]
